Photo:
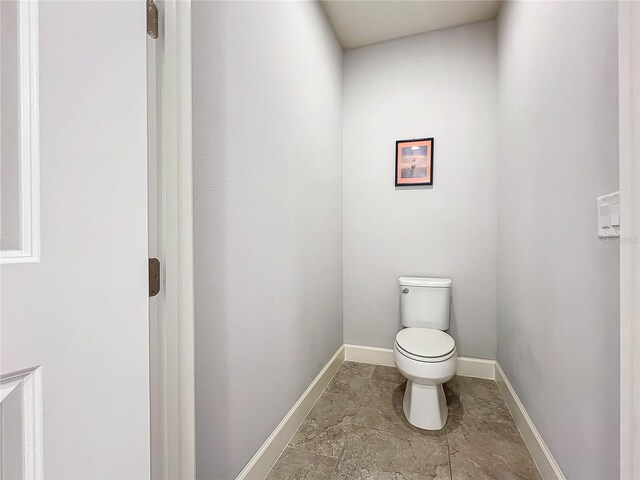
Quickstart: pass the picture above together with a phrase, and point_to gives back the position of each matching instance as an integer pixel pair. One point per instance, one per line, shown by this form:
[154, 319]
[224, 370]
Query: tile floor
[357, 430]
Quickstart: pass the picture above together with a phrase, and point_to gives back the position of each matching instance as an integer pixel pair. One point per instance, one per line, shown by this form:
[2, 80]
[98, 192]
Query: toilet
[423, 352]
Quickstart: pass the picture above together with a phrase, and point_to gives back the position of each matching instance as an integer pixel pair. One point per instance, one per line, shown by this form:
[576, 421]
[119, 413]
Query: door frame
[629, 131]
[172, 361]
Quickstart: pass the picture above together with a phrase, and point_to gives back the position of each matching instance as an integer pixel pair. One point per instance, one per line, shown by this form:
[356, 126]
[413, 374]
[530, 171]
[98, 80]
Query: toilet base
[425, 406]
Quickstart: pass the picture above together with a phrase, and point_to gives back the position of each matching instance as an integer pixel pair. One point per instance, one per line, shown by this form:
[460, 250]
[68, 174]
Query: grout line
[335, 467]
[446, 432]
[501, 422]
[395, 432]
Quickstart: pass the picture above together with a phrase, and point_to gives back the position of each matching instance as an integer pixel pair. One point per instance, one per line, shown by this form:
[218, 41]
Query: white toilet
[423, 352]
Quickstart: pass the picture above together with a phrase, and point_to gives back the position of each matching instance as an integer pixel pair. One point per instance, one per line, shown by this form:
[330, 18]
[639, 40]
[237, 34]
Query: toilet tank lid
[424, 282]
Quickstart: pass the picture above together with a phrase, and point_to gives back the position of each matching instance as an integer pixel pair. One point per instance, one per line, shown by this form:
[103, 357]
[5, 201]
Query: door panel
[81, 311]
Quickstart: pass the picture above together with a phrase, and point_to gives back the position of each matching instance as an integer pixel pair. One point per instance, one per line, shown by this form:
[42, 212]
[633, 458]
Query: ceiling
[362, 22]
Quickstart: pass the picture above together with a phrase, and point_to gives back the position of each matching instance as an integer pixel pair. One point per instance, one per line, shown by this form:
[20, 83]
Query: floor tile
[476, 387]
[358, 430]
[364, 369]
[381, 409]
[302, 465]
[482, 449]
[476, 397]
[388, 374]
[374, 454]
[324, 430]
[351, 379]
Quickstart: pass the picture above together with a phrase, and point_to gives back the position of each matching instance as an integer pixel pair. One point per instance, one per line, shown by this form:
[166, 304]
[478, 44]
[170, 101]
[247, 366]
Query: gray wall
[267, 120]
[558, 284]
[444, 85]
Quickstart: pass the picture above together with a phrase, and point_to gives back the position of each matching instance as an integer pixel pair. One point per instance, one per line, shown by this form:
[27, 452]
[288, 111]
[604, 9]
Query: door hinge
[154, 277]
[152, 19]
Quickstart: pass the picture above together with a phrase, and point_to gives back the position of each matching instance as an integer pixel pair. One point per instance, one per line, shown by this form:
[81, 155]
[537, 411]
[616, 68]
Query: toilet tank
[424, 302]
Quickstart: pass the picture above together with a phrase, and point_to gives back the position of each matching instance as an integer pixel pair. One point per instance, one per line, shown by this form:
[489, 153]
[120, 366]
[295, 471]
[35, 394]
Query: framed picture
[414, 162]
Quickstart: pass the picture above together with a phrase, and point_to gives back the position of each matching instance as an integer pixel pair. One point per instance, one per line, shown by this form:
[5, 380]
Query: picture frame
[414, 162]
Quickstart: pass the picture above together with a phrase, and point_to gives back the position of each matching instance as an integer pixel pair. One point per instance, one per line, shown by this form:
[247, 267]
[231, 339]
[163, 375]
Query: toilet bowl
[427, 359]
[423, 352]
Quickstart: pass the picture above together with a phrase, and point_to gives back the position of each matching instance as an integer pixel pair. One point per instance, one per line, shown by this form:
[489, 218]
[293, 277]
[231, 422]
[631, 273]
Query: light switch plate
[608, 210]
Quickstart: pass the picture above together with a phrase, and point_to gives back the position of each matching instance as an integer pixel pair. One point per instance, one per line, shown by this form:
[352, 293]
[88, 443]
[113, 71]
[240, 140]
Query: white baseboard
[267, 455]
[476, 367]
[465, 366]
[547, 465]
[373, 355]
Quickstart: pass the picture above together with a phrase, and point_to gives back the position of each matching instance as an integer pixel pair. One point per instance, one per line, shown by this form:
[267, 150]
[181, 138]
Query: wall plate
[608, 211]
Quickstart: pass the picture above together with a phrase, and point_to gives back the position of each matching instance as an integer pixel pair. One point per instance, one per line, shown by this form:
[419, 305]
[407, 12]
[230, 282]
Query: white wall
[443, 85]
[267, 99]
[558, 284]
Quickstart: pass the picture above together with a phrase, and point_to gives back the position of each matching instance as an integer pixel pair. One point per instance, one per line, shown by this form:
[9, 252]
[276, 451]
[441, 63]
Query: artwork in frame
[414, 162]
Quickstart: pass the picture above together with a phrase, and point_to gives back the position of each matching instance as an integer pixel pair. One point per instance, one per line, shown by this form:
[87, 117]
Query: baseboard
[465, 366]
[373, 355]
[476, 367]
[267, 455]
[547, 465]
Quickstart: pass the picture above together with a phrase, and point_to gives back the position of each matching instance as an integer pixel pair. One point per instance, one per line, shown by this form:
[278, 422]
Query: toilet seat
[425, 345]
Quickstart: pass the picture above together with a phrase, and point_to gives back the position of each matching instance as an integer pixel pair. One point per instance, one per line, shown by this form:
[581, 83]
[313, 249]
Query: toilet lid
[425, 342]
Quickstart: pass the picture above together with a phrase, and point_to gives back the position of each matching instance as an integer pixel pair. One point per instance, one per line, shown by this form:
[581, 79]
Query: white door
[74, 299]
